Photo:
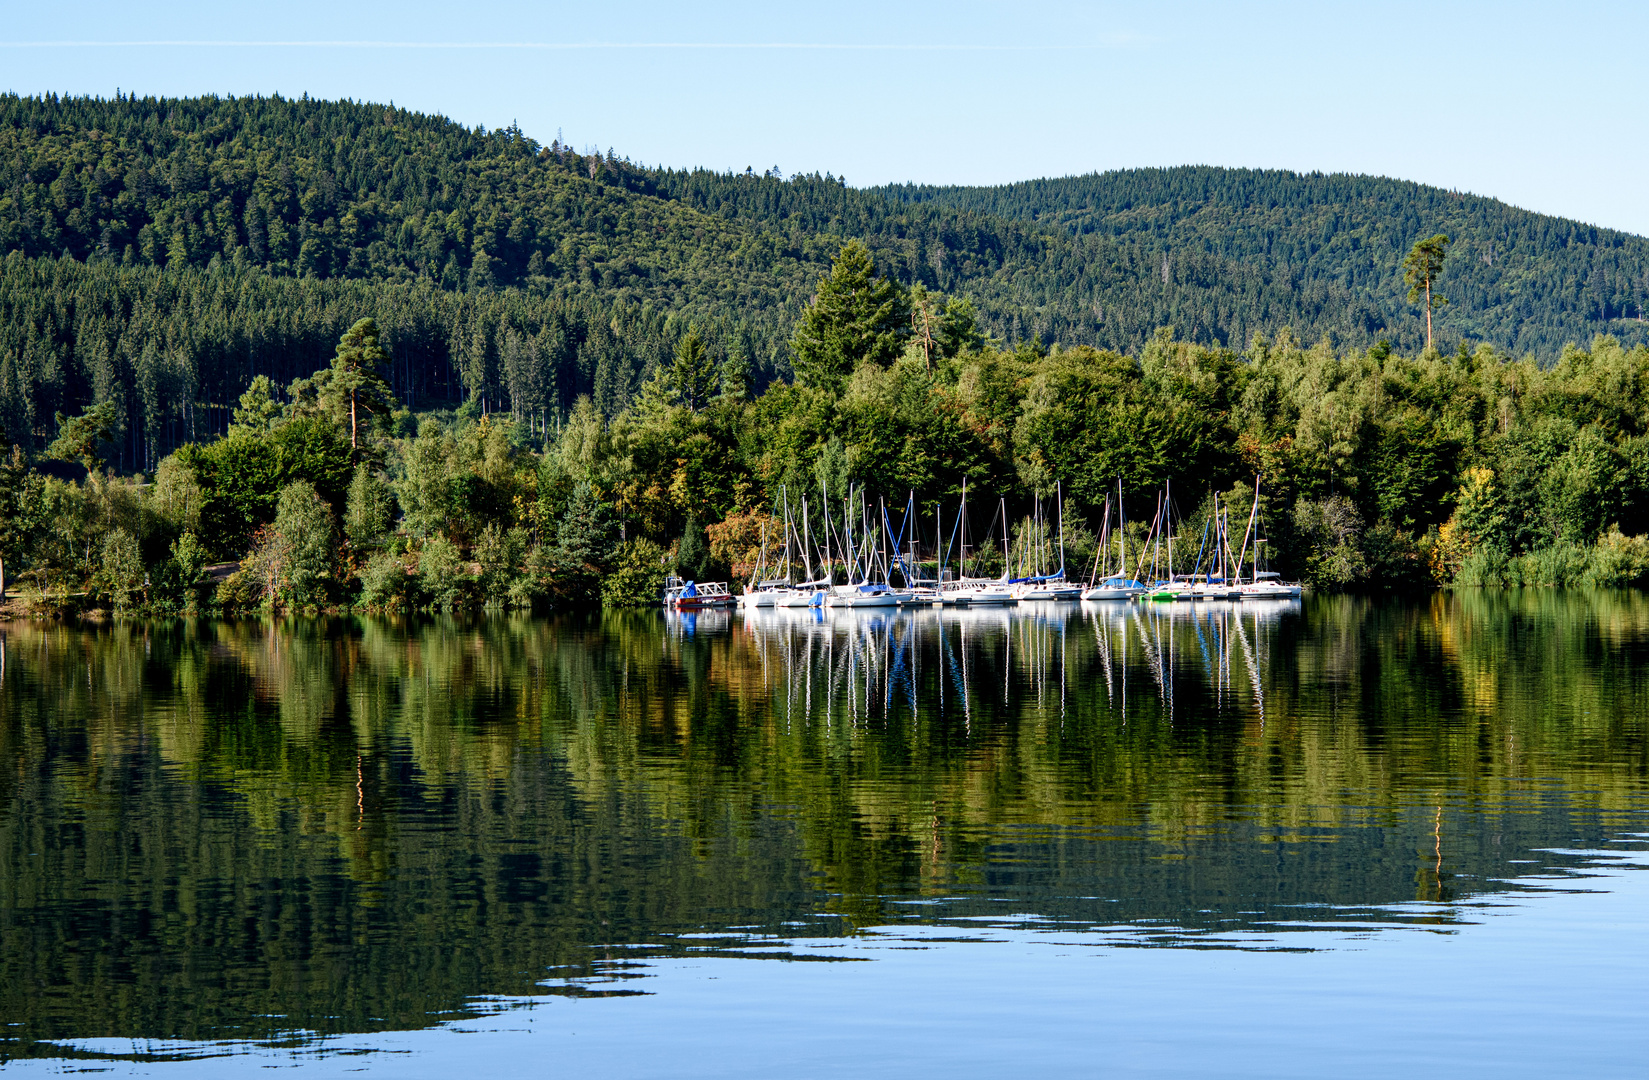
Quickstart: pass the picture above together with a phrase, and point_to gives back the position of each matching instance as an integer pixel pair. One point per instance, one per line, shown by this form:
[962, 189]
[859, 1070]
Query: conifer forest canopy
[164, 252]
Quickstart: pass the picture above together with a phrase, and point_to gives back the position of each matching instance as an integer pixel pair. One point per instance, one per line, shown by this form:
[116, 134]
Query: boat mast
[1122, 533]
[1168, 523]
[785, 497]
[1253, 516]
[1059, 493]
[1104, 541]
[824, 487]
[1004, 505]
[807, 541]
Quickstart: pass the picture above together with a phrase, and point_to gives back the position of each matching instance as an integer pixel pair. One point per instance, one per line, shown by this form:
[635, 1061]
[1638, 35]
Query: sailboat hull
[870, 600]
[978, 597]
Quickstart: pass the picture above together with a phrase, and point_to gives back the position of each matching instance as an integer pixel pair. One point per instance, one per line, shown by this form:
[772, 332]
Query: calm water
[1337, 838]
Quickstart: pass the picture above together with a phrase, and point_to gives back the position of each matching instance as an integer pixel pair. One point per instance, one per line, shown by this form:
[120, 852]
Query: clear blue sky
[1541, 105]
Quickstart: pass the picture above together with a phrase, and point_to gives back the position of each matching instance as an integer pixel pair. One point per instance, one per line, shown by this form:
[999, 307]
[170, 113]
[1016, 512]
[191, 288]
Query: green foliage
[442, 577]
[242, 475]
[1422, 266]
[174, 581]
[586, 532]
[258, 410]
[351, 386]
[1329, 532]
[385, 584]
[1379, 470]
[637, 580]
[499, 551]
[1420, 269]
[189, 556]
[121, 573]
[212, 241]
[1525, 282]
[693, 553]
[693, 374]
[368, 508]
[856, 316]
[81, 438]
[19, 505]
[304, 545]
[584, 546]
[1614, 561]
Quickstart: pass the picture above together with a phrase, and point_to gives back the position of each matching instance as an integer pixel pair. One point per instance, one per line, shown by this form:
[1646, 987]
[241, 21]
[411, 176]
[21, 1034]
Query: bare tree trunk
[1428, 313]
[2, 579]
[352, 443]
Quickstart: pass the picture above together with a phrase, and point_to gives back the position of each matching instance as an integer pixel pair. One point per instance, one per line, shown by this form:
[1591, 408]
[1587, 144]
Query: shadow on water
[247, 830]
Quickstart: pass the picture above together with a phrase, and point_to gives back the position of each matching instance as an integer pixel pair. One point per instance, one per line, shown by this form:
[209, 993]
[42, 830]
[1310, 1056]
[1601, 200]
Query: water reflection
[867, 659]
[237, 830]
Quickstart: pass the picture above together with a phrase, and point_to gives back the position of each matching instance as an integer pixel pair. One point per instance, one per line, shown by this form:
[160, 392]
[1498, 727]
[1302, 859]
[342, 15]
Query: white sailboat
[861, 591]
[1262, 584]
[975, 591]
[808, 593]
[1117, 585]
[1039, 586]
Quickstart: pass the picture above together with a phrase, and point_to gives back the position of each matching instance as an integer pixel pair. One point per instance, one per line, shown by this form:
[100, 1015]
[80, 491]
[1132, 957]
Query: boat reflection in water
[881, 663]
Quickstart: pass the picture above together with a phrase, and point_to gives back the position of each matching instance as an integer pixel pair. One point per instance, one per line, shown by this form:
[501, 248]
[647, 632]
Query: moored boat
[695, 595]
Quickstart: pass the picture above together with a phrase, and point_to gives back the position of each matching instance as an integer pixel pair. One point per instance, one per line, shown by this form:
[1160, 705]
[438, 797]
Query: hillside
[161, 252]
[1519, 280]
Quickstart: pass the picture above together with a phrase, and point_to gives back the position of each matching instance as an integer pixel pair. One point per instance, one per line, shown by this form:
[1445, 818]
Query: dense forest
[1379, 469]
[1524, 282]
[161, 253]
[379, 358]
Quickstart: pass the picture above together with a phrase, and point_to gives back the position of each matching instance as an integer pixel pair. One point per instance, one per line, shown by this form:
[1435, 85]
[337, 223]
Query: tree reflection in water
[239, 829]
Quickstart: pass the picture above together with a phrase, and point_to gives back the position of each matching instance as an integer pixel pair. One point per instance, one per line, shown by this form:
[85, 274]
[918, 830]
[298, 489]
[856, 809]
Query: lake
[1329, 837]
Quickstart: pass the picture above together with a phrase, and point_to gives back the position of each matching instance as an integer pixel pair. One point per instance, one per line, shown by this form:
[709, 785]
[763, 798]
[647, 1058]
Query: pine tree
[735, 374]
[693, 553]
[81, 438]
[355, 375]
[856, 317]
[1420, 269]
[693, 374]
[586, 535]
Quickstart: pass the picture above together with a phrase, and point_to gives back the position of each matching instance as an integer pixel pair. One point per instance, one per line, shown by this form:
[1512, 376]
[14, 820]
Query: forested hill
[161, 252]
[339, 189]
[1520, 280]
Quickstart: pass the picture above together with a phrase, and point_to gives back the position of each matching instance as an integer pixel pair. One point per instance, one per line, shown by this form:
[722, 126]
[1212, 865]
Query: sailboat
[1263, 584]
[975, 591]
[1169, 588]
[1053, 585]
[861, 590]
[1112, 586]
[808, 593]
[759, 593]
[1220, 582]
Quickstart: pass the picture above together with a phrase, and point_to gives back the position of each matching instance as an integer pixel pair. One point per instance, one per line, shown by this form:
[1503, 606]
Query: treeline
[1379, 469]
[1524, 282]
[172, 350]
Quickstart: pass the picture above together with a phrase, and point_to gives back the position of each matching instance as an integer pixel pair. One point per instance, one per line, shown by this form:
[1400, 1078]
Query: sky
[1542, 106]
